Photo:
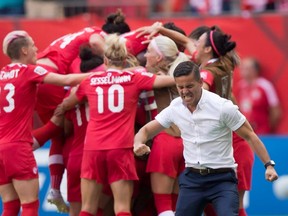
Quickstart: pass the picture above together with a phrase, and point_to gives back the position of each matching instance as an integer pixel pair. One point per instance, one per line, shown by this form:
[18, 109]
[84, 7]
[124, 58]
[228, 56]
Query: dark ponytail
[115, 23]
[220, 42]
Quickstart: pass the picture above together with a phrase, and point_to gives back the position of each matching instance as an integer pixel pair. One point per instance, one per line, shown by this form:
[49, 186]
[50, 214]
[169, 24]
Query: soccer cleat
[55, 197]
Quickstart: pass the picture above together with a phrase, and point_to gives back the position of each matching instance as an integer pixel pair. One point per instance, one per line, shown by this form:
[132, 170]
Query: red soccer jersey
[133, 44]
[65, 49]
[255, 101]
[208, 78]
[146, 109]
[79, 118]
[112, 98]
[18, 87]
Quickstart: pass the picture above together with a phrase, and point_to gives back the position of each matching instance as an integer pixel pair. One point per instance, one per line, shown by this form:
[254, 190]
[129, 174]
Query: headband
[154, 45]
[12, 36]
[213, 44]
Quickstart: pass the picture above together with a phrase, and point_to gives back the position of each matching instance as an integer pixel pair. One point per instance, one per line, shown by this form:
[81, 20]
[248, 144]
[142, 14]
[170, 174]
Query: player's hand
[150, 31]
[270, 174]
[141, 149]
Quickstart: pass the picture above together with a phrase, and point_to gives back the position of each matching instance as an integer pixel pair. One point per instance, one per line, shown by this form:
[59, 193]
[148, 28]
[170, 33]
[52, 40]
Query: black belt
[206, 171]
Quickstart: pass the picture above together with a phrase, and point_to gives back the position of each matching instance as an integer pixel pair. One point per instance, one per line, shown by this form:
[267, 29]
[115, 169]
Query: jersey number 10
[111, 98]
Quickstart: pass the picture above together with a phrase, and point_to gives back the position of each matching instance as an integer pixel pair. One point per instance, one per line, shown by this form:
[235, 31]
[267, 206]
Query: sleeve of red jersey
[144, 79]
[207, 77]
[36, 73]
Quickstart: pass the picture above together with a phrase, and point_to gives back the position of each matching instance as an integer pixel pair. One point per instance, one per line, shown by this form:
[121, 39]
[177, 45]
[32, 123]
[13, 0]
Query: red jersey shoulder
[40, 70]
[15, 68]
[11, 71]
[206, 75]
[143, 71]
[133, 44]
[139, 69]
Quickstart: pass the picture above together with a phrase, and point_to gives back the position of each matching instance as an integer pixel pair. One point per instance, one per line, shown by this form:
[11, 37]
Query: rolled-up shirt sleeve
[165, 118]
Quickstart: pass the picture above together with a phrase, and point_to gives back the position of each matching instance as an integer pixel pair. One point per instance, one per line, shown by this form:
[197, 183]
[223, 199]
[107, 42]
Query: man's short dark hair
[185, 68]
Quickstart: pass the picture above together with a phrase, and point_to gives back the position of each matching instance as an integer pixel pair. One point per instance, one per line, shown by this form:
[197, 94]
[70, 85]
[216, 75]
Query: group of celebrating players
[125, 79]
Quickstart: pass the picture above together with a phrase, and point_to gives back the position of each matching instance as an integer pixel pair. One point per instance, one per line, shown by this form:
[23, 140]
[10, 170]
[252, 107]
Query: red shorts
[108, 166]
[244, 157]
[73, 178]
[166, 155]
[17, 162]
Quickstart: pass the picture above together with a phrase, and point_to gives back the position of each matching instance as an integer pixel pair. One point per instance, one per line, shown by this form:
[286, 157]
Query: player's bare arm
[65, 80]
[163, 81]
[151, 31]
[157, 27]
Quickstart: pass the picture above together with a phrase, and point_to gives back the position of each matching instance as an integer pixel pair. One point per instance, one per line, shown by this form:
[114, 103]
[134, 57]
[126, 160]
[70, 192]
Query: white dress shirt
[207, 132]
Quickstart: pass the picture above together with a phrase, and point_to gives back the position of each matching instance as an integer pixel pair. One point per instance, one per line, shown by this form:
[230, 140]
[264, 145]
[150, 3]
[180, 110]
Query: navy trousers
[196, 191]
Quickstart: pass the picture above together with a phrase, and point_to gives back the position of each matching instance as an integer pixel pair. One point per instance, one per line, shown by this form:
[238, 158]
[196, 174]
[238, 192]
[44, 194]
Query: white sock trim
[56, 159]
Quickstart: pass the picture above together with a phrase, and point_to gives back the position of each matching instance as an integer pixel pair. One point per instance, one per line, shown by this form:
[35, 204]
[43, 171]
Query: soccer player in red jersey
[76, 121]
[18, 87]
[166, 160]
[108, 157]
[58, 56]
[257, 98]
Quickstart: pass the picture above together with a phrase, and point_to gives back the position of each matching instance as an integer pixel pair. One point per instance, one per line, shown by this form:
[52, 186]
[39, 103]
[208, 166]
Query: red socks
[163, 202]
[11, 208]
[124, 214]
[44, 133]
[56, 163]
[30, 209]
[242, 212]
[56, 175]
[99, 213]
[83, 213]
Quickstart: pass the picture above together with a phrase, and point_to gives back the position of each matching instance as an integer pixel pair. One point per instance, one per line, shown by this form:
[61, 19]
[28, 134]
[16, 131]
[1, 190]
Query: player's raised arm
[157, 28]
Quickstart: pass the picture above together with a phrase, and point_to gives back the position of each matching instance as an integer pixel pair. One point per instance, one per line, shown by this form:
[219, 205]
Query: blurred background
[260, 28]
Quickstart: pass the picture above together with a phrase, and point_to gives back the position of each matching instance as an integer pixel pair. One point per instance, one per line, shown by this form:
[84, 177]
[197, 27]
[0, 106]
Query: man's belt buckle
[204, 171]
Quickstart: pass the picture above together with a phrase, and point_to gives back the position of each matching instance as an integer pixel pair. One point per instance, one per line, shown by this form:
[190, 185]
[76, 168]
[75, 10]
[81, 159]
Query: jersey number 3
[9, 97]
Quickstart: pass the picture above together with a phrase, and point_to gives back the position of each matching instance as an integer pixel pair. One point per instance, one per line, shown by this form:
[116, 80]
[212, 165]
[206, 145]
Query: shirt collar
[203, 99]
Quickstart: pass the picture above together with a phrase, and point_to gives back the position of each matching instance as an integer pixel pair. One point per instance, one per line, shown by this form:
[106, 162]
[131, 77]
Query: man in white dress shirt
[206, 122]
